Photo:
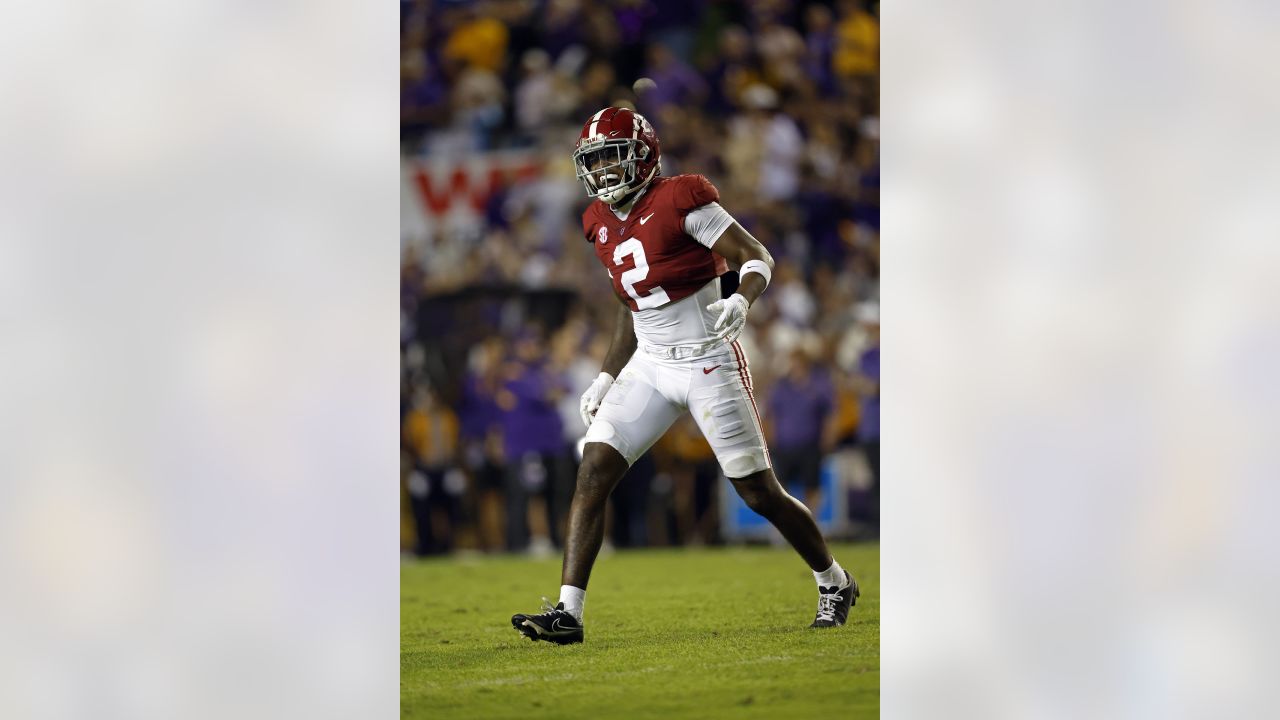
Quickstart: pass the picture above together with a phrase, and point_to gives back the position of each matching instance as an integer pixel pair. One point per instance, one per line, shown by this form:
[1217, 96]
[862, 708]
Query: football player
[664, 242]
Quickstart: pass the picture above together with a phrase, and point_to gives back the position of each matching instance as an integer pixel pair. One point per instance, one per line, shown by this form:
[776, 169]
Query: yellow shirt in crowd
[479, 43]
[857, 45]
[433, 436]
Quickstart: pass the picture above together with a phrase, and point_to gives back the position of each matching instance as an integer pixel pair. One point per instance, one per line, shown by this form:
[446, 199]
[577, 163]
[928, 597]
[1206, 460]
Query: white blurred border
[198, 280]
[1081, 307]
[197, 270]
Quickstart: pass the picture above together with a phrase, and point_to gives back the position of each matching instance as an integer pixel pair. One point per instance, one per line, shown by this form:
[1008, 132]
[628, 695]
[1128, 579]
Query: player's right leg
[631, 418]
[601, 469]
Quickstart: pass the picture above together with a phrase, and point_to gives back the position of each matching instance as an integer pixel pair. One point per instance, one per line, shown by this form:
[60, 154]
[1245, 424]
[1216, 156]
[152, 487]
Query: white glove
[590, 401]
[733, 317]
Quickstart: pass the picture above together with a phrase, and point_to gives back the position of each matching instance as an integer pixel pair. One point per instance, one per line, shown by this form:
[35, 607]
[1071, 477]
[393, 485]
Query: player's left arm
[711, 226]
[754, 262]
[755, 266]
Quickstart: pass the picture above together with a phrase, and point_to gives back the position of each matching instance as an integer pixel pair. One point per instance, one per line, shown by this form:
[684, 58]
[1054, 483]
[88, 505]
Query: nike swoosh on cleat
[707, 371]
[645, 219]
[555, 627]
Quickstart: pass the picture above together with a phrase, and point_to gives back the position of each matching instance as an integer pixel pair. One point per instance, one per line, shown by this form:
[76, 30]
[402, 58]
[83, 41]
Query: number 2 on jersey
[657, 296]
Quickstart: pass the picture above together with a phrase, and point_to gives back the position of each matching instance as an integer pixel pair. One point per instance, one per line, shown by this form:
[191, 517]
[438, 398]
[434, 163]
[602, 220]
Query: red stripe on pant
[745, 376]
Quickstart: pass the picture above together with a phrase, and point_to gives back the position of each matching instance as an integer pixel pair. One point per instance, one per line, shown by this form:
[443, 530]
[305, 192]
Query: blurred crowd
[505, 321]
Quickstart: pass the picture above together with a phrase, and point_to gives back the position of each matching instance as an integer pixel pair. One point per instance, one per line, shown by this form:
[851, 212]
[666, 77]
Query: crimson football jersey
[650, 258]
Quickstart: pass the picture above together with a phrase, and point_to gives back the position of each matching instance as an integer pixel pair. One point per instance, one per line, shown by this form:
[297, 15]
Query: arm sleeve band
[707, 223]
[756, 266]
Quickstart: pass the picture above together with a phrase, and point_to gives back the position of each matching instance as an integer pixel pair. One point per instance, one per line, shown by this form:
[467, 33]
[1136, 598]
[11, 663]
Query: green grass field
[679, 633]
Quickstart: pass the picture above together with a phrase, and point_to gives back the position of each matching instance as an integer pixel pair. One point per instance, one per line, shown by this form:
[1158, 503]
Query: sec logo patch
[603, 235]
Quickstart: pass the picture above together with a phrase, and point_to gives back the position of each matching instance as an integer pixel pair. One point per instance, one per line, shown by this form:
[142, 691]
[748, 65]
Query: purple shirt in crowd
[869, 425]
[798, 410]
[478, 410]
[533, 425]
[676, 84]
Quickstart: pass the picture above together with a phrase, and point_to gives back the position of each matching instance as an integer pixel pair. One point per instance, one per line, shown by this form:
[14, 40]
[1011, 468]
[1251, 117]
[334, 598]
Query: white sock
[833, 575]
[574, 598]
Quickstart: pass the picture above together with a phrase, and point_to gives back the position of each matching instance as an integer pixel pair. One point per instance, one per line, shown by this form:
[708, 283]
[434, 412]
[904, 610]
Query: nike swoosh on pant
[707, 371]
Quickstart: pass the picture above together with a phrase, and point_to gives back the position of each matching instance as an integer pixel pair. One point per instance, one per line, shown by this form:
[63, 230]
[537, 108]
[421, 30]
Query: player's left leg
[722, 402]
[762, 492]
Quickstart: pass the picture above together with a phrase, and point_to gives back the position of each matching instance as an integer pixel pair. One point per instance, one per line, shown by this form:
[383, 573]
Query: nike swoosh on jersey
[645, 219]
[707, 371]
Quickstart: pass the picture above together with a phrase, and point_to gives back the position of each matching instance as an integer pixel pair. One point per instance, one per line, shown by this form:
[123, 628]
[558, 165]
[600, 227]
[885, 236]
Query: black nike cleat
[553, 623]
[834, 603]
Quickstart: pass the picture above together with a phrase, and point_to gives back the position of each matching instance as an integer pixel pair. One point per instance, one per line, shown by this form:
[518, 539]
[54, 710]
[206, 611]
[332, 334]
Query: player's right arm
[620, 351]
[624, 342]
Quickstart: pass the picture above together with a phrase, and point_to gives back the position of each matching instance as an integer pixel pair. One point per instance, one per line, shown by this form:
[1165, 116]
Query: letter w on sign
[471, 183]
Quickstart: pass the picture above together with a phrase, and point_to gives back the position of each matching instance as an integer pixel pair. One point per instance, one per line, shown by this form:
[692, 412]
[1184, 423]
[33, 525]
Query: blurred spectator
[677, 83]
[478, 41]
[798, 408]
[820, 47]
[783, 52]
[792, 295]
[630, 502]
[673, 24]
[423, 95]
[631, 20]
[436, 483]
[841, 430]
[686, 457]
[596, 88]
[478, 100]
[822, 209]
[858, 40]
[536, 92]
[869, 389]
[735, 70]
[766, 146]
[533, 446]
[561, 26]
[482, 441]
[577, 355]
[547, 94]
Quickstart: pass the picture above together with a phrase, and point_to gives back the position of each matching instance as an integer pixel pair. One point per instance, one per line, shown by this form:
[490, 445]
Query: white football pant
[650, 393]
